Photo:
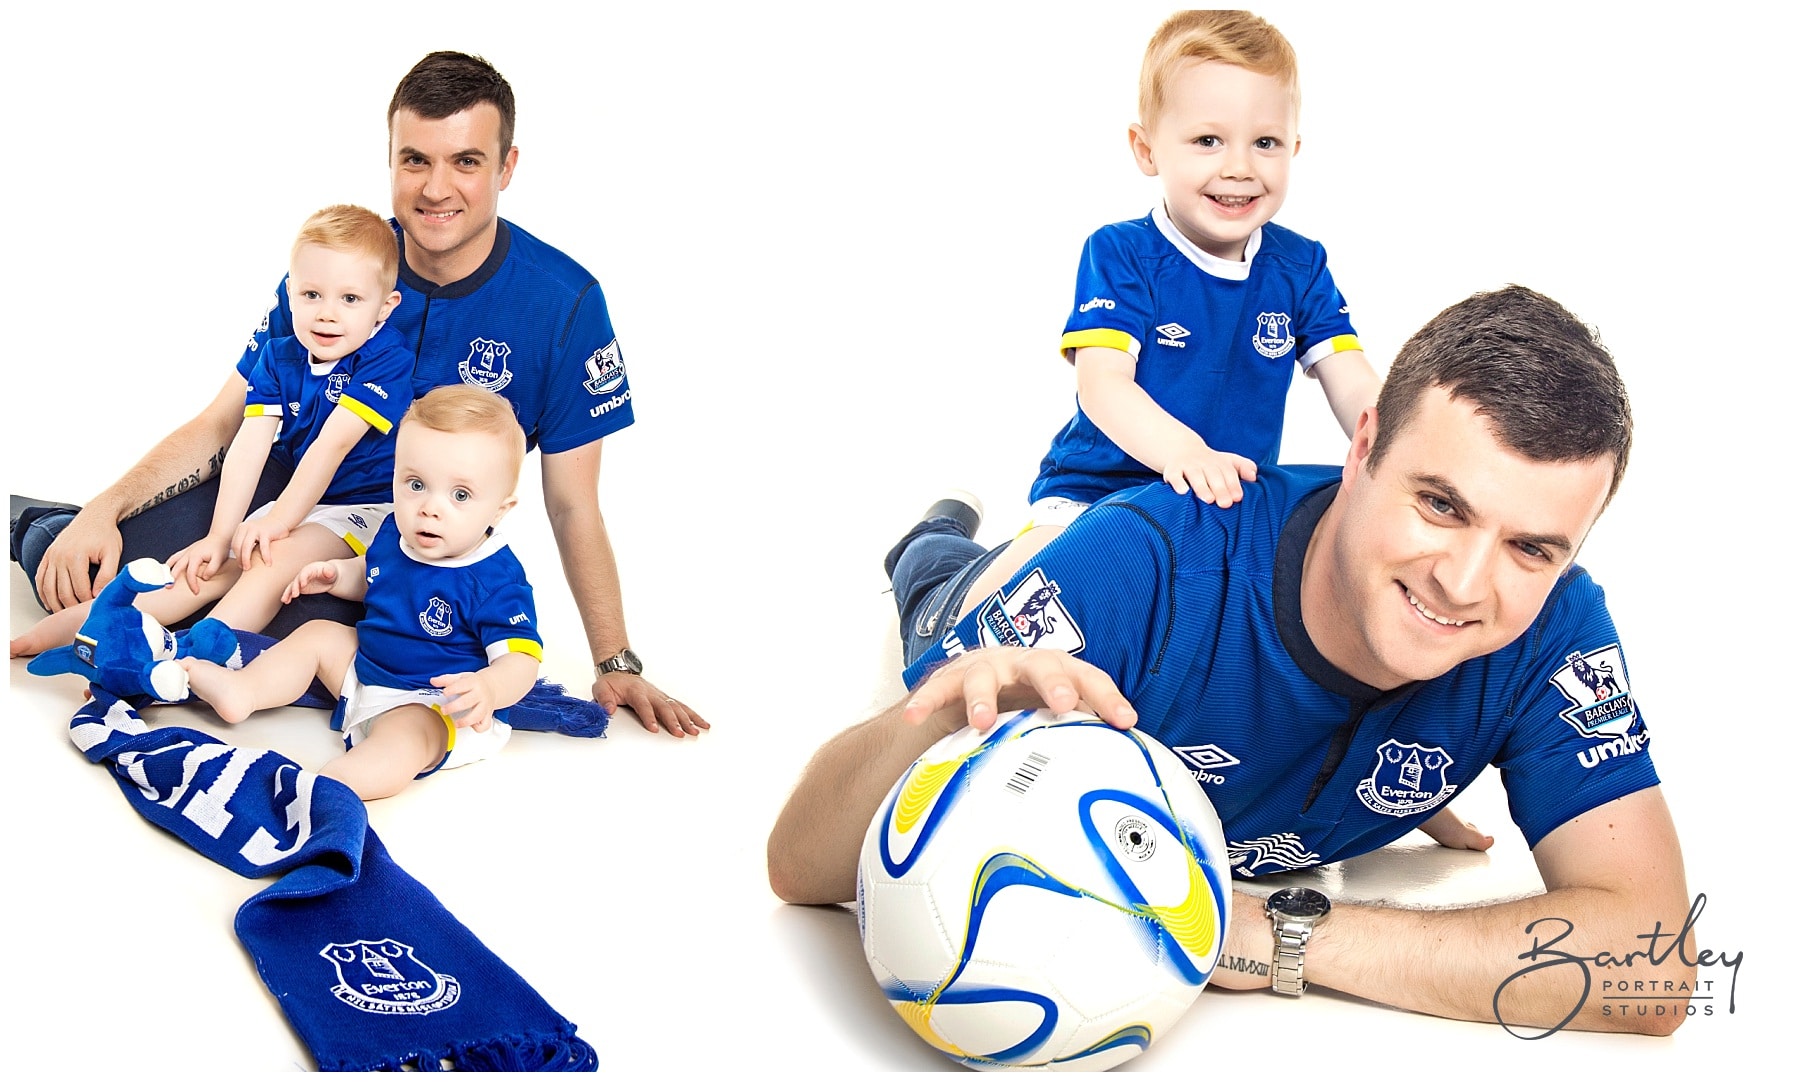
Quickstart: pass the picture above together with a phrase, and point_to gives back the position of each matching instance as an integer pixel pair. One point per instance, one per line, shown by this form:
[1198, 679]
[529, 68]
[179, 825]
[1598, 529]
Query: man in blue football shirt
[1359, 645]
[483, 303]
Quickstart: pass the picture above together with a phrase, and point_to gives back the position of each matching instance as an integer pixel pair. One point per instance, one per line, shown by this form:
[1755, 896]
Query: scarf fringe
[563, 1052]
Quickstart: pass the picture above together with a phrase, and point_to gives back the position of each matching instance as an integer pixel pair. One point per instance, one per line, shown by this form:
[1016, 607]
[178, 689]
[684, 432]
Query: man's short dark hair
[1539, 375]
[446, 83]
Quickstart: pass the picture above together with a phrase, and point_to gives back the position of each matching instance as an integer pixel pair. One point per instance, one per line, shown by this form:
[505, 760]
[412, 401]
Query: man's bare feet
[221, 688]
[1452, 831]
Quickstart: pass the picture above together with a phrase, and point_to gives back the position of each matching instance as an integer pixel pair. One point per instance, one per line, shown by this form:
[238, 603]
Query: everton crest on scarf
[371, 970]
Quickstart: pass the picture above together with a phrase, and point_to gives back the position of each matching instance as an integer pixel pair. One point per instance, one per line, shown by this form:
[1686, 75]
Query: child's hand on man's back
[1213, 476]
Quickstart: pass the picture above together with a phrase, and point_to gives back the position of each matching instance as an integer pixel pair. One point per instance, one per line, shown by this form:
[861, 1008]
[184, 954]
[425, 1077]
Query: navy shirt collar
[1290, 560]
[466, 286]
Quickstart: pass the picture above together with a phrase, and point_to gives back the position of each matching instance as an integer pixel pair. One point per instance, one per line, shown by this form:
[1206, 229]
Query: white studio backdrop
[838, 245]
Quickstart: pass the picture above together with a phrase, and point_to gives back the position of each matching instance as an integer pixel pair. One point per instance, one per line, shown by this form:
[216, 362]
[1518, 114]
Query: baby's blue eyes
[460, 495]
[1213, 142]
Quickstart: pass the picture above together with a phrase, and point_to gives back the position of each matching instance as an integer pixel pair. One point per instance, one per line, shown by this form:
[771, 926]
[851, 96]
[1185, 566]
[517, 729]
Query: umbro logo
[1205, 760]
[1172, 335]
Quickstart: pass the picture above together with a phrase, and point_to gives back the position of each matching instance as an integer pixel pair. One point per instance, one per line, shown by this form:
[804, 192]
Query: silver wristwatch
[1294, 912]
[623, 661]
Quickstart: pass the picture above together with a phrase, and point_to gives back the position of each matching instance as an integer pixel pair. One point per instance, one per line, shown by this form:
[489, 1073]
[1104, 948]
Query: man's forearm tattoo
[192, 480]
[1237, 963]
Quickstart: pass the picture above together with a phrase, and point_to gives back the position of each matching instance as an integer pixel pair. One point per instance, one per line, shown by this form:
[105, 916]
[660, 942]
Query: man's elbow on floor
[789, 880]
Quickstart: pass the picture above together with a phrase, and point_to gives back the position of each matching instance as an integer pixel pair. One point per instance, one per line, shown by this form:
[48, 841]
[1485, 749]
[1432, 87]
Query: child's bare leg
[400, 745]
[256, 597]
[56, 629]
[167, 605]
[1007, 564]
[1452, 831]
[279, 675]
[176, 602]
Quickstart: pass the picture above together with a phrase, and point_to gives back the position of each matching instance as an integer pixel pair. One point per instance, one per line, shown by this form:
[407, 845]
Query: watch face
[623, 661]
[1299, 902]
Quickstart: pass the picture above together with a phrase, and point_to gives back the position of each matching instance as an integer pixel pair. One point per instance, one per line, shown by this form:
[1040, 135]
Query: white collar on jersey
[494, 543]
[1206, 261]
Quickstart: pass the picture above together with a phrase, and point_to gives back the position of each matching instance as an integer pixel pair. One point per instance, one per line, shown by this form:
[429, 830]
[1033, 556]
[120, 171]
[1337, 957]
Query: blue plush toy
[127, 652]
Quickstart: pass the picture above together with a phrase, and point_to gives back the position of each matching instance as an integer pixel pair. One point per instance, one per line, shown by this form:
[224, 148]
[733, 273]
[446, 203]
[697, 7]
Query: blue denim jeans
[931, 569]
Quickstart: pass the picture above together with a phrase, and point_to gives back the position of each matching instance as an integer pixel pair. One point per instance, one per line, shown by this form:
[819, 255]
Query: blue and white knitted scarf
[371, 970]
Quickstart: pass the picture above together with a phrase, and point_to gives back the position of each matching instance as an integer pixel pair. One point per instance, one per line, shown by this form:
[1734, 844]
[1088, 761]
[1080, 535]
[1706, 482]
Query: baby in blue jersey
[450, 639]
[322, 404]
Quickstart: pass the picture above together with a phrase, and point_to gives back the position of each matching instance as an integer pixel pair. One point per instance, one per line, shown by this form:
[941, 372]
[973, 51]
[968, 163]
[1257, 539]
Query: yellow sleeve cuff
[374, 420]
[1099, 336]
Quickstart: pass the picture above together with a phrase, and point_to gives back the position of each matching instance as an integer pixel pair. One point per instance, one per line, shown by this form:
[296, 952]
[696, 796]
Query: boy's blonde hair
[1237, 38]
[347, 228]
[460, 408]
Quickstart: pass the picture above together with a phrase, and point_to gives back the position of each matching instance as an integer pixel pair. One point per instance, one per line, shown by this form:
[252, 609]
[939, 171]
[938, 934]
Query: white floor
[838, 256]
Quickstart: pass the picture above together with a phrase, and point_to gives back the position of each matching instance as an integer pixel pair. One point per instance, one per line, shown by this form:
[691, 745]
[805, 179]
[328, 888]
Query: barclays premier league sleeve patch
[1600, 704]
[1030, 615]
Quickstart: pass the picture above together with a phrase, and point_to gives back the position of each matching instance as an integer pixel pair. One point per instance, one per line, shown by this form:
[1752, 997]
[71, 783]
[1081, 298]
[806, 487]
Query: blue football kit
[374, 383]
[428, 618]
[530, 324]
[1194, 612]
[1216, 342]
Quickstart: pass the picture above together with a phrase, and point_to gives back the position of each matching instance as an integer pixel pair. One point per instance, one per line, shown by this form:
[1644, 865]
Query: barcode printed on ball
[1027, 772]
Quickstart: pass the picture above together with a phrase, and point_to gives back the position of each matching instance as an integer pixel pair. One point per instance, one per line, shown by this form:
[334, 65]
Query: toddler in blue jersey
[1188, 323]
[449, 640]
[321, 403]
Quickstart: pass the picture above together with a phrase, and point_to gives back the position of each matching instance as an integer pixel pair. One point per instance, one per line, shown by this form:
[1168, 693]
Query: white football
[1050, 894]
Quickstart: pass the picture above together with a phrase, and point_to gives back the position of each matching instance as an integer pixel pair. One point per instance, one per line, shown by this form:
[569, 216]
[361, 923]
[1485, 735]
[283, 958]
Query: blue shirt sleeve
[381, 385]
[507, 620]
[1112, 298]
[264, 397]
[589, 394]
[1578, 738]
[277, 322]
[1324, 325]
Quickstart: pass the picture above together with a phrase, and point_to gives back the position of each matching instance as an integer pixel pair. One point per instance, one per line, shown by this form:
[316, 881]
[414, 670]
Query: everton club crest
[1599, 698]
[1274, 334]
[384, 977]
[1030, 615]
[335, 384]
[485, 366]
[1408, 779]
[436, 618]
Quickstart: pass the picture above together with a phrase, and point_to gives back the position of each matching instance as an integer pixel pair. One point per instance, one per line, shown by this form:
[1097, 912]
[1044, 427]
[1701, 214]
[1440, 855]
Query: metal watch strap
[1288, 973]
[625, 661]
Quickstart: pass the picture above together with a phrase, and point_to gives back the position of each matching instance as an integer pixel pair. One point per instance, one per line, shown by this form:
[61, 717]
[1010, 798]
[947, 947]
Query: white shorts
[1054, 511]
[356, 523]
[360, 704]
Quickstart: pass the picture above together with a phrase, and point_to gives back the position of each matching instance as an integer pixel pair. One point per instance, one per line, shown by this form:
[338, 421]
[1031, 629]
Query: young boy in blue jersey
[321, 403]
[450, 637]
[1188, 322]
